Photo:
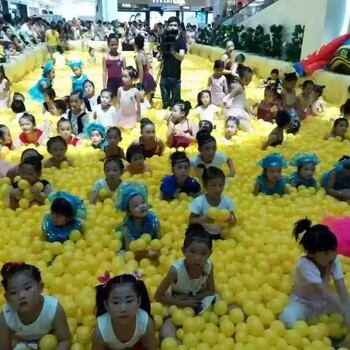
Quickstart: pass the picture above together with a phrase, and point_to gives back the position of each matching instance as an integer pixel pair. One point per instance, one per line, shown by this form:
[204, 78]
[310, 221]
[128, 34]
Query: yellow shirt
[52, 37]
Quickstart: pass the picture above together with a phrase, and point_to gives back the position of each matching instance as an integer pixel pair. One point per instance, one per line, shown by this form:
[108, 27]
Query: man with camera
[173, 49]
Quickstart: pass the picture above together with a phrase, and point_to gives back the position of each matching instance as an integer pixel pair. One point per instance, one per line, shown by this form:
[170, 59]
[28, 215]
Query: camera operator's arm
[178, 55]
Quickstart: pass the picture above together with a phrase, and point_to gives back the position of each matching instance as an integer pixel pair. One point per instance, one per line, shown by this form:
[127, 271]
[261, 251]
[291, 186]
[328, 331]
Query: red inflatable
[320, 58]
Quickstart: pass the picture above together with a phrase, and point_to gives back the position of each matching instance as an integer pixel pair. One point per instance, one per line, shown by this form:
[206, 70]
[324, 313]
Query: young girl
[306, 166]
[64, 128]
[136, 160]
[79, 77]
[113, 137]
[90, 100]
[123, 312]
[311, 296]
[128, 100]
[91, 58]
[231, 128]
[57, 147]
[289, 97]
[340, 128]
[271, 181]
[337, 181]
[180, 181]
[208, 156]
[132, 199]
[105, 113]
[28, 315]
[113, 168]
[36, 93]
[267, 108]
[5, 137]
[4, 90]
[49, 96]
[239, 62]
[37, 191]
[181, 131]
[205, 109]
[29, 152]
[235, 101]
[217, 84]
[305, 99]
[150, 143]
[30, 134]
[214, 183]
[276, 136]
[60, 108]
[96, 133]
[76, 115]
[65, 216]
[318, 103]
[190, 280]
[227, 59]
[113, 64]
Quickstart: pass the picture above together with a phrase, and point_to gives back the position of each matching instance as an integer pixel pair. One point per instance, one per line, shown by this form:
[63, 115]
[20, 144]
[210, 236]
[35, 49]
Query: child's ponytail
[100, 299]
[316, 238]
[143, 294]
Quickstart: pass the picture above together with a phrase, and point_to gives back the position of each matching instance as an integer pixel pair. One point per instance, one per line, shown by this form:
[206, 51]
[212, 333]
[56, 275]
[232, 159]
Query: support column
[107, 10]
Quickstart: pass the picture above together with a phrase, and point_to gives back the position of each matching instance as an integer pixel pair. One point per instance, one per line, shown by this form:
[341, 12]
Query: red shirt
[26, 141]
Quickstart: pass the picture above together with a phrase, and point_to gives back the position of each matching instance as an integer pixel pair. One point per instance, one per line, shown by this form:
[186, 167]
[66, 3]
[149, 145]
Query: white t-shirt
[41, 326]
[93, 101]
[207, 113]
[104, 324]
[200, 206]
[218, 161]
[107, 118]
[145, 105]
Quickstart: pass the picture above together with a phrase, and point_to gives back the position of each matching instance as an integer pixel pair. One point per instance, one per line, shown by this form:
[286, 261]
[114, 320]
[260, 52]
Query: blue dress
[58, 234]
[78, 83]
[278, 189]
[36, 93]
[170, 189]
[301, 182]
[341, 182]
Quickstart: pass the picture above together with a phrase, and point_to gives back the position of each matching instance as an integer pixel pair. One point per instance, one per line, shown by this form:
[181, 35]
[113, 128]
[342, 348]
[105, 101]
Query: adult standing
[142, 65]
[173, 52]
[227, 59]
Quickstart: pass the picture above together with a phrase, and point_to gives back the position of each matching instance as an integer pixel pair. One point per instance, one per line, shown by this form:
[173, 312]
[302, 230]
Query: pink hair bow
[105, 278]
[137, 274]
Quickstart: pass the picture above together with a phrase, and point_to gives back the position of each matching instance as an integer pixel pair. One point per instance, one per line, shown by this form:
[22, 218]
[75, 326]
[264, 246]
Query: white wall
[323, 20]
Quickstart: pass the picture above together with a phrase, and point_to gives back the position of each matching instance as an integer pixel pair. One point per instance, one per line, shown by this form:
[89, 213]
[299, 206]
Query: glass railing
[254, 7]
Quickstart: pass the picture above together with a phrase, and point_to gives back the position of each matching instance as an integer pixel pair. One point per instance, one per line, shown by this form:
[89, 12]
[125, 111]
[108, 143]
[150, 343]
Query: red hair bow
[105, 278]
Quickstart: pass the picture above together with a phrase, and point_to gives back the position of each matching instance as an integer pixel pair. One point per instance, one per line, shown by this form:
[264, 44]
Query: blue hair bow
[344, 162]
[79, 209]
[128, 190]
[303, 158]
[274, 160]
[48, 67]
[94, 126]
[75, 64]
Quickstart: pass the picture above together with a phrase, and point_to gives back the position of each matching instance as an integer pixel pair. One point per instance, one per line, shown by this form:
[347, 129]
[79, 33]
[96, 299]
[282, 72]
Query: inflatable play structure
[335, 56]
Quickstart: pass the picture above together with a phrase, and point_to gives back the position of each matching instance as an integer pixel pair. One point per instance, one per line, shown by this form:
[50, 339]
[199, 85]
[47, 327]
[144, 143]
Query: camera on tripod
[167, 40]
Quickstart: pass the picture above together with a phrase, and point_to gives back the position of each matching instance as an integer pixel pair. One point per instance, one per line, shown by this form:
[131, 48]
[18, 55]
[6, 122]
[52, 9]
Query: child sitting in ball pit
[337, 181]
[311, 296]
[33, 189]
[306, 166]
[5, 137]
[18, 108]
[213, 182]
[266, 109]
[305, 99]
[113, 168]
[150, 143]
[66, 213]
[123, 312]
[132, 199]
[231, 128]
[91, 100]
[49, 105]
[136, 160]
[28, 315]
[318, 103]
[208, 156]
[180, 181]
[181, 131]
[276, 136]
[77, 115]
[206, 125]
[29, 152]
[205, 109]
[105, 113]
[96, 133]
[60, 108]
[57, 147]
[271, 182]
[273, 80]
[340, 128]
[30, 133]
[217, 84]
[64, 128]
[190, 280]
[113, 138]
[79, 77]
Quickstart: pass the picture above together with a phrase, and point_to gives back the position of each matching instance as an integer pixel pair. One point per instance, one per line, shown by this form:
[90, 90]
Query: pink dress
[341, 228]
[218, 89]
[127, 117]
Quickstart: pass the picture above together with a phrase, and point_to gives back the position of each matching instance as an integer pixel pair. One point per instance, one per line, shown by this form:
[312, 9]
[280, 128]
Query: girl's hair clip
[137, 274]
[105, 278]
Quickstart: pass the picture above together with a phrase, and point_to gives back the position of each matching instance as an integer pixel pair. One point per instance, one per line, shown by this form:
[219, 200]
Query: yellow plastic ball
[48, 342]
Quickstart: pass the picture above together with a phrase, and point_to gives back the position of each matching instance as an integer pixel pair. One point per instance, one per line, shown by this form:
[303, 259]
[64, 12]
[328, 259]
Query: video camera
[167, 40]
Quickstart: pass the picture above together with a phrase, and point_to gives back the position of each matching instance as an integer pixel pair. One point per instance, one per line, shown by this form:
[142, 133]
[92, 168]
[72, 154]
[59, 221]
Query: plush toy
[341, 60]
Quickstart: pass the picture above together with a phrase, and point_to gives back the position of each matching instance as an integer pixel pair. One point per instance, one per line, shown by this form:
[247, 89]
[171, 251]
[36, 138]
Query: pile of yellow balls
[253, 265]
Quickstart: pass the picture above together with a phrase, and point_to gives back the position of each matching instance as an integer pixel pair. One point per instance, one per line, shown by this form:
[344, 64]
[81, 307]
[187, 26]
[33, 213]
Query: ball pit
[253, 265]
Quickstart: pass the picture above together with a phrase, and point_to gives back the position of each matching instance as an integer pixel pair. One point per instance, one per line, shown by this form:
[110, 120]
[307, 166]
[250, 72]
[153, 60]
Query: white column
[107, 10]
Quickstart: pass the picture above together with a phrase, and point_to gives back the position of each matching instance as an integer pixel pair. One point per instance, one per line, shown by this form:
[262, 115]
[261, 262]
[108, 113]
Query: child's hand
[207, 220]
[190, 303]
[231, 173]
[232, 219]
[153, 254]
[180, 133]
[35, 191]
[16, 193]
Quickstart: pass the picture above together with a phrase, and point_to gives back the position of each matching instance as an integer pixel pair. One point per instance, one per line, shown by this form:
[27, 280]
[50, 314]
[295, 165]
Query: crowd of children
[124, 319]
